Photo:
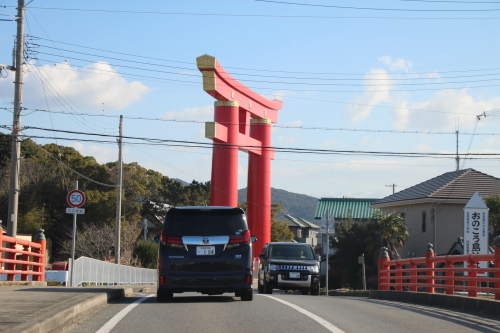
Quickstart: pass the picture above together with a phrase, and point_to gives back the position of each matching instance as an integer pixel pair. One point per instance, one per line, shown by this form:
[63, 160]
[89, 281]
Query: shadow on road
[198, 299]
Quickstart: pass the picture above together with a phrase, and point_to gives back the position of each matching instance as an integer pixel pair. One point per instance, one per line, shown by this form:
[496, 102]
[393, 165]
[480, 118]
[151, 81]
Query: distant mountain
[181, 181]
[297, 205]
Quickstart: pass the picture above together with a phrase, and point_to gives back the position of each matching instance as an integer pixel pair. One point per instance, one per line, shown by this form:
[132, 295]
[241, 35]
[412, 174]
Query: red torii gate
[242, 121]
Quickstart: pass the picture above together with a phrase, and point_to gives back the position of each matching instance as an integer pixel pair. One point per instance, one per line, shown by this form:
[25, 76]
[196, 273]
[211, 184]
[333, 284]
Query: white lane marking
[321, 321]
[106, 328]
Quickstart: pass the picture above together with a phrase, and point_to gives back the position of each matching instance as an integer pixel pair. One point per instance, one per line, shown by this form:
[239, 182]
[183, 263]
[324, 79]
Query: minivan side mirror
[318, 257]
[253, 239]
[262, 256]
[157, 239]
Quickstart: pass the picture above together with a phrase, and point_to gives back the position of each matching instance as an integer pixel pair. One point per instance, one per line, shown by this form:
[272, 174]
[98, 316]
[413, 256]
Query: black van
[289, 266]
[205, 249]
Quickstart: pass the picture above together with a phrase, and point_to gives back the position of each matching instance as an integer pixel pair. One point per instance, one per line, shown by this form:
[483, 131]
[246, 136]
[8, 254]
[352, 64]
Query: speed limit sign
[76, 198]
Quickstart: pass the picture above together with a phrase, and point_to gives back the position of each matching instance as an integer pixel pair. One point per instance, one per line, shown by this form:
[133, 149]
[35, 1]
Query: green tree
[493, 204]
[367, 237]
[280, 232]
[146, 253]
[388, 231]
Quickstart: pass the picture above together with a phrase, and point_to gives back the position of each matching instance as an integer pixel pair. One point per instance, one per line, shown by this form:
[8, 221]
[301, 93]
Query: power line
[379, 9]
[301, 90]
[73, 170]
[323, 128]
[278, 149]
[269, 70]
[367, 76]
[272, 16]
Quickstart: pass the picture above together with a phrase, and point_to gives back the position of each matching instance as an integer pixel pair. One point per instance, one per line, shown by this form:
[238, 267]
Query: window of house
[299, 233]
[424, 220]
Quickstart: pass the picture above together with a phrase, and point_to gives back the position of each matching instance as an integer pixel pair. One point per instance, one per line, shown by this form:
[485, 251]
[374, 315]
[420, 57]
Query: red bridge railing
[32, 261]
[430, 273]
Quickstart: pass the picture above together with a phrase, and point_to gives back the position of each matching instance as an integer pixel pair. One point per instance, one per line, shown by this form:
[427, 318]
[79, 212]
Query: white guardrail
[96, 272]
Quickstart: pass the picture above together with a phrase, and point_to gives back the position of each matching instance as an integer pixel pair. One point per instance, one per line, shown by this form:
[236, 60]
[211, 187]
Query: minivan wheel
[163, 296]
[247, 295]
[315, 291]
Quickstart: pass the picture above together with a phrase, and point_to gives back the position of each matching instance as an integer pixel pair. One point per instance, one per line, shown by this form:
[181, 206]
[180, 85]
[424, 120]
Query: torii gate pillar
[242, 121]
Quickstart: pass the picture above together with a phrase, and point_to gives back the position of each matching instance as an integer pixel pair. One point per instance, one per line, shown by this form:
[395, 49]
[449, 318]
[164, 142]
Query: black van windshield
[205, 223]
[291, 252]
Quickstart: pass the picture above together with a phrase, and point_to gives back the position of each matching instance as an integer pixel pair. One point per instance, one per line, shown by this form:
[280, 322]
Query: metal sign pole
[73, 242]
[327, 250]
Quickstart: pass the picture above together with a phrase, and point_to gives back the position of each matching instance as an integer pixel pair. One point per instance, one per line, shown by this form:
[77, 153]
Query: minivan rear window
[183, 222]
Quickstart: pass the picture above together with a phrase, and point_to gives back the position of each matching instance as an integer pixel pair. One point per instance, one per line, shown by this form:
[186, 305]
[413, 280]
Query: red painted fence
[429, 273]
[32, 260]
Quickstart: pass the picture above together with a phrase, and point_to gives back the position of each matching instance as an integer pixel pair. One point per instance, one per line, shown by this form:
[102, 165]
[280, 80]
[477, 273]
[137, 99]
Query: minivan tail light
[171, 241]
[238, 240]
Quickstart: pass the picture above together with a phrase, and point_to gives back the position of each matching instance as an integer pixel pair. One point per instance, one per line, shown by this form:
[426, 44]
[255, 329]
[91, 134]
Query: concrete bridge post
[497, 265]
[40, 239]
[429, 264]
[382, 265]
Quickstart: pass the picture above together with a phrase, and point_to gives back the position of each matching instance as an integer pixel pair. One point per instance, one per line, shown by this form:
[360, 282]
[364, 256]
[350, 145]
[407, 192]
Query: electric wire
[271, 70]
[271, 16]
[323, 128]
[156, 141]
[239, 84]
[73, 170]
[378, 9]
[367, 76]
[65, 184]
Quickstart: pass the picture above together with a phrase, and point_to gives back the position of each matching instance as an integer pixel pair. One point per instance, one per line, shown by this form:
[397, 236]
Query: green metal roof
[345, 208]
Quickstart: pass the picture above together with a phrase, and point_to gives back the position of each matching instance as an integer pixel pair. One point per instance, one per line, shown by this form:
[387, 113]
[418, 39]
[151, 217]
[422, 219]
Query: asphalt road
[192, 312]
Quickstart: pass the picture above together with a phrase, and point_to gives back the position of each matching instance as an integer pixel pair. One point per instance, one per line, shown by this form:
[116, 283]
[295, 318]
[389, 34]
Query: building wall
[444, 224]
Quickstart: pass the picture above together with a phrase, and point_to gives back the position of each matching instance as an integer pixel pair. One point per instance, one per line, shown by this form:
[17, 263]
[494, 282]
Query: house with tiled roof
[303, 230]
[434, 209]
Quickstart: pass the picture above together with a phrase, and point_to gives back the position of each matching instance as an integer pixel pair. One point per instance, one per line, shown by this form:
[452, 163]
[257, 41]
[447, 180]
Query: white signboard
[75, 210]
[476, 229]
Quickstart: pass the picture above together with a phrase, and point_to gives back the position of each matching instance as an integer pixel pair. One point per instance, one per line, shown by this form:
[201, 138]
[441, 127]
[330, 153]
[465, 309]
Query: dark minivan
[205, 249]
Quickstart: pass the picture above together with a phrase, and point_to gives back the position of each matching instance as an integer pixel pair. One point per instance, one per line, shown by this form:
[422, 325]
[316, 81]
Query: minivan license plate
[205, 250]
[294, 275]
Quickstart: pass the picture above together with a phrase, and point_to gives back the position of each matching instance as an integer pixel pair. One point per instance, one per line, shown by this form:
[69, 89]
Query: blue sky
[423, 66]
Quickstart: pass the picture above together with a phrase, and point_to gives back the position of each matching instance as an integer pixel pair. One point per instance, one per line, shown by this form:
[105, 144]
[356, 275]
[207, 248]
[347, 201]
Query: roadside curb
[462, 303]
[360, 293]
[62, 315]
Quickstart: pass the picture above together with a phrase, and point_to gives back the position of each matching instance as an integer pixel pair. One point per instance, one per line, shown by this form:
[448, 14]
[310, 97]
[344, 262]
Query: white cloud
[376, 92]
[288, 139]
[448, 105]
[330, 143]
[203, 113]
[102, 154]
[66, 86]
[295, 123]
[398, 63]
[279, 94]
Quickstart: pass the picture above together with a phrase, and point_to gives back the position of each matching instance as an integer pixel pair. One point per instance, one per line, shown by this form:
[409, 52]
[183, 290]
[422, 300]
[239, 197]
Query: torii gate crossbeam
[242, 121]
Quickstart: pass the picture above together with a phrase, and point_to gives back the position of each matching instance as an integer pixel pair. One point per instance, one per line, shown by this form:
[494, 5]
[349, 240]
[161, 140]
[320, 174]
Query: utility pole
[393, 187]
[16, 125]
[119, 196]
[457, 158]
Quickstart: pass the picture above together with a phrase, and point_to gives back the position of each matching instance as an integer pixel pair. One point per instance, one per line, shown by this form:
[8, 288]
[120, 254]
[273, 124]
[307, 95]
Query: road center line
[321, 321]
[106, 328]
